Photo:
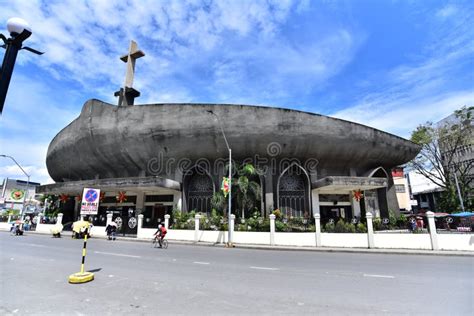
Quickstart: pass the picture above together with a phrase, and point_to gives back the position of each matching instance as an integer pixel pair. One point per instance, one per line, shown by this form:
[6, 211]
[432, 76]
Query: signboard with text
[90, 201]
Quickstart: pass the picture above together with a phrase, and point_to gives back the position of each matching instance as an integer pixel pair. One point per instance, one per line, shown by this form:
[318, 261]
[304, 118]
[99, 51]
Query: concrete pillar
[317, 222]
[140, 205]
[197, 217]
[82, 217]
[38, 221]
[9, 218]
[109, 219]
[269, 198]
[355, 207]
[370, 229]
[315, 202]
[167, 221]
[231, 223]
[59, 219]
[77, 209]
[432, 228]
[177, 200]
[140, 225]
[272, 229]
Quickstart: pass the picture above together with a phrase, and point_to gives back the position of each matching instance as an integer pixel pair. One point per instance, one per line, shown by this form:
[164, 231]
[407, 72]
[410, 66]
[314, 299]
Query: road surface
[134, 279]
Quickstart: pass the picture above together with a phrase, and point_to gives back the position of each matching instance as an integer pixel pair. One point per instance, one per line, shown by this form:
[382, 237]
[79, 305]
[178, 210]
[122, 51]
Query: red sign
[397, 173]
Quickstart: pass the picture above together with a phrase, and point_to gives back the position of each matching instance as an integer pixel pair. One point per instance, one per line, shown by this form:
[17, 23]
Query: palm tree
[219, 202]
[246, 190]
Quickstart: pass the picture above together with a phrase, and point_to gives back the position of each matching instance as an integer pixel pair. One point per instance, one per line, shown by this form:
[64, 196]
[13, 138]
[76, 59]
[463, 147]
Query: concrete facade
[182, 145]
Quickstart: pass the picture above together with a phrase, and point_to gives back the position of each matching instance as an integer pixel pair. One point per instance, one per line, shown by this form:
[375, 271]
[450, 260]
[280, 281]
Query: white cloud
[447, 11]
[428, 90]
[83, 41]
[402, 116]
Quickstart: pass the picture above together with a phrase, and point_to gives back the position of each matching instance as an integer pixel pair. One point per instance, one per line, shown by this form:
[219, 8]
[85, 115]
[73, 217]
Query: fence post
[109, 219]
[139, 226]
[370, 229]
[59, 219]
[432, 228]
[272, 229]
[196, 227]
[38, 221]
[231, 223]
[317, 222]
[167, 221]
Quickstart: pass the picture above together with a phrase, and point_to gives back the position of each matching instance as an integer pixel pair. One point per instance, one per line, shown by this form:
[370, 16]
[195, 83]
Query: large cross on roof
[127, 94]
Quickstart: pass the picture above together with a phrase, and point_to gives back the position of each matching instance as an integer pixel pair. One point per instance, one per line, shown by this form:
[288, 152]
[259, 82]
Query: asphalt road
[133, 278]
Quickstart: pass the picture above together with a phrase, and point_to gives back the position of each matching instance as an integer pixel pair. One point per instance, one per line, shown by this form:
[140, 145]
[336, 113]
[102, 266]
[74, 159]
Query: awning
[112, 184]
[463, 214]
[337, 184]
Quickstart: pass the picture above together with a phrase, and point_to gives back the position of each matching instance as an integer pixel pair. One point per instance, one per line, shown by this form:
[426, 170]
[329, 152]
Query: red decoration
[121, 197]
[78, 197]
[357, 195]
[102, 196]
[64, 198]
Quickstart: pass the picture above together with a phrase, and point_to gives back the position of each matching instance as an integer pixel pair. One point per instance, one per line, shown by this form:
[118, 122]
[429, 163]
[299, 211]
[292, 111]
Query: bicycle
[156, 242]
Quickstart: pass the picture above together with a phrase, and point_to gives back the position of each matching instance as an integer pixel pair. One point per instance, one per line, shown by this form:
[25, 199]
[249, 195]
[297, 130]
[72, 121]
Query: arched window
[199, 190]
[293, 192]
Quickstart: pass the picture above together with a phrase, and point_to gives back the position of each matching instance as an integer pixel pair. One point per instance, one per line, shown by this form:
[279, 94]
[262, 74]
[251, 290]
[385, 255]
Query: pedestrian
[111, 230]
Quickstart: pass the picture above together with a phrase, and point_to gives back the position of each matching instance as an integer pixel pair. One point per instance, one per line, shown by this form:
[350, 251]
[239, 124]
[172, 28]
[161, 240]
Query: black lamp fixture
[19, 31]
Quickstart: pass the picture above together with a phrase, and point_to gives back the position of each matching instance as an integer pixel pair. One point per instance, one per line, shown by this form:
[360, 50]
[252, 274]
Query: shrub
[280, 226]
[361, 228]
[343, 227]
[329, 228]
[377, 222]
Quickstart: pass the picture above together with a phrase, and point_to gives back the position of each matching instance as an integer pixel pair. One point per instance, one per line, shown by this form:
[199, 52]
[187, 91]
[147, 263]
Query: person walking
[111, 230]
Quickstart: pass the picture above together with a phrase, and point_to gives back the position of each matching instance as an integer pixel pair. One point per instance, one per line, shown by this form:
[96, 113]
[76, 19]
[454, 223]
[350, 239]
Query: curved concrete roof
[107, 141]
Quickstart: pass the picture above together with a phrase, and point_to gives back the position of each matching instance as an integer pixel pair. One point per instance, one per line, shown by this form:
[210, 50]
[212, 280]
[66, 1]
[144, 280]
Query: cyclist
[160, 234]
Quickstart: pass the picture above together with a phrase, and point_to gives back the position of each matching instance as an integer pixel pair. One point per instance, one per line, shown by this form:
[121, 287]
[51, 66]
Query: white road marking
[111, 275]
[36, 245]
[116, 254]
[264, 268]
[199, 262]
[379, 276]
[15, 311]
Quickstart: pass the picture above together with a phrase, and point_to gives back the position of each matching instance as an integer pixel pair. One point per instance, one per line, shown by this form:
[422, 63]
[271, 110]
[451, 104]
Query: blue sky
[388, 64]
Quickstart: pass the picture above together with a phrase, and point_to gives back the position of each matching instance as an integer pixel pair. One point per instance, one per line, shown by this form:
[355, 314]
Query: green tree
[246, 191]
[439, 161]
[219, 202]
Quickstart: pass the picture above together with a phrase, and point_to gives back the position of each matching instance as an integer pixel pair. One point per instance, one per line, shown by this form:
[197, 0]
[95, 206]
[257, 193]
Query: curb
[296, 248]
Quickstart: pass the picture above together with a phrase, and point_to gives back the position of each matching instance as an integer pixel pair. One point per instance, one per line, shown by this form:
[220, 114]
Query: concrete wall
[402, 241]
[344, 240]
[460, 242]
[101, 132]
[456, 241]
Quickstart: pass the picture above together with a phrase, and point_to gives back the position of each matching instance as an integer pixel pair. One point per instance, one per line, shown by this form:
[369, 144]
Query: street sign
[90, 201]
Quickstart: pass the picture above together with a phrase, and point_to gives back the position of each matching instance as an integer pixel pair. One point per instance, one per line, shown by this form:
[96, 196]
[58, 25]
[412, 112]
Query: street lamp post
[27, 183]
[19, 31]
[230, 175]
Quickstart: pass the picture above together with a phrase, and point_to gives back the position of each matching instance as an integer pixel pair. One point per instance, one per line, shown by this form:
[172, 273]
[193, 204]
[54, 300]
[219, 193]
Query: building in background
[423, 191]
[402, 190]
[462, 159]
[14, 193]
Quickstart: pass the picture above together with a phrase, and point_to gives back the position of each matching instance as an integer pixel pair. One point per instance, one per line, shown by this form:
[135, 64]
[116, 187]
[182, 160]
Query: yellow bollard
[82, 277]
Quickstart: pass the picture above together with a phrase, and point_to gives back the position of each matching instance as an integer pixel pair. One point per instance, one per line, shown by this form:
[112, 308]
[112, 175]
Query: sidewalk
[295, 248]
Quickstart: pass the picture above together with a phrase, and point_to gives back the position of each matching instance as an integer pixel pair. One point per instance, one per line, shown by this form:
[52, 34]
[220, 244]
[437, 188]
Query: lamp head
[16, 26]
